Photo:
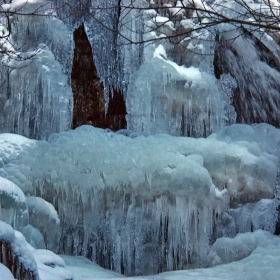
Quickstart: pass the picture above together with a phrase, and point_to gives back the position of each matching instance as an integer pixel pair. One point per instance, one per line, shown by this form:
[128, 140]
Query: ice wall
[193, 106]
[141, 205]
[36, 99]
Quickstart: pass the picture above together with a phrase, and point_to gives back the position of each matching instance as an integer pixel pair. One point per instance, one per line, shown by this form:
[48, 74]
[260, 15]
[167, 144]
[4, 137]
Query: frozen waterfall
[148, 198]
[142, 205]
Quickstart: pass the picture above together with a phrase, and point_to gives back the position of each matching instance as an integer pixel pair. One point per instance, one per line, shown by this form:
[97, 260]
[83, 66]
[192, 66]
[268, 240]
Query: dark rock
[88, 92]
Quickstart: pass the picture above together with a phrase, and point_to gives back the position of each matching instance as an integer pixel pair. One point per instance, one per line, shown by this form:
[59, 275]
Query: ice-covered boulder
[13, 207]
[15, 254]
[227, 250]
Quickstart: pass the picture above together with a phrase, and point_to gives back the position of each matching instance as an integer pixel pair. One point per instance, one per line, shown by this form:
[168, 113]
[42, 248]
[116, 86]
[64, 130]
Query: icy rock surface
[100, 19]
[141, 204]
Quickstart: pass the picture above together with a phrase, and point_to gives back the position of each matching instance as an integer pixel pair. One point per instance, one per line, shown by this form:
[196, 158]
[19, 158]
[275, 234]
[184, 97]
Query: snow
[11, 146]
[6, 232]
[84, 269]
[34, 237]
[51, 266]
[8, 188]
[5, 273]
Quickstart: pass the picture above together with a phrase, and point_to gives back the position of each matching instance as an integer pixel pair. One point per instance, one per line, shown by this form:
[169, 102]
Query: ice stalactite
[114, 228]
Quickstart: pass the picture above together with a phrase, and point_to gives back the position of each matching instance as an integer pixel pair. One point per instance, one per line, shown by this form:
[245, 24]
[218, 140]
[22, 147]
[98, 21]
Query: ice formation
[169, 199]
[258, 259]
[144, 204]
[183, 93]
[174, 99]
[41, 210]
[13, 205]
[36, 98]
[134, 202]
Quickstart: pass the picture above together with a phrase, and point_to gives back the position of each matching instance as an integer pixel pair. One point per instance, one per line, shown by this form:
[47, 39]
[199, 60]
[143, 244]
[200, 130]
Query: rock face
[89, 102]
[88, 91]
[256, 70]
